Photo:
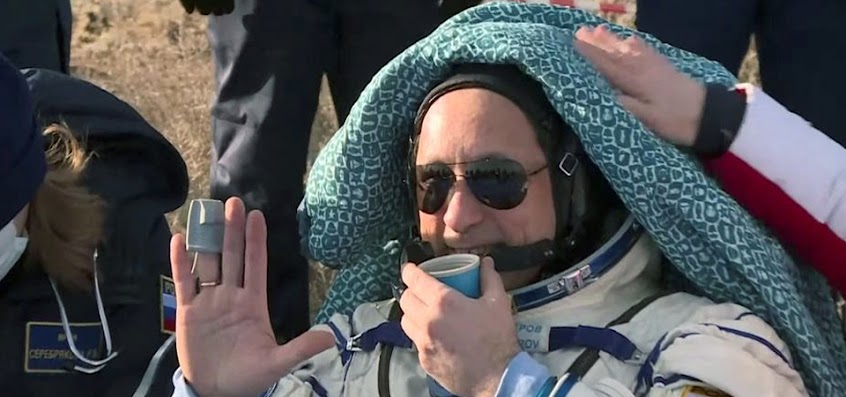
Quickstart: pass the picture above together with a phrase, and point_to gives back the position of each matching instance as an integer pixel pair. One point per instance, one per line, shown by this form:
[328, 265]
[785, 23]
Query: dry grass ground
[154, 56]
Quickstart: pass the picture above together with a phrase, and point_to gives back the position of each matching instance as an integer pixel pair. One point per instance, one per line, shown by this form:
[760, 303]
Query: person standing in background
[801, 47]
[270, 57]
[36, 34]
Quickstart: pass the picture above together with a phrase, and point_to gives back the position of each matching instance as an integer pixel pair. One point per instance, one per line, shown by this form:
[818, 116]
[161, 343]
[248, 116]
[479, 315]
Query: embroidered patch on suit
[47, 348]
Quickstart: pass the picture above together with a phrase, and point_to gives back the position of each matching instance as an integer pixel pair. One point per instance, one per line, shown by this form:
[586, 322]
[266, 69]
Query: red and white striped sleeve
[792, 178]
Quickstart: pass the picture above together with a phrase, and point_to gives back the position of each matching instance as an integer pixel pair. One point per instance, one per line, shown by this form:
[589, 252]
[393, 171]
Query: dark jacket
[141, 176]
[36, 34]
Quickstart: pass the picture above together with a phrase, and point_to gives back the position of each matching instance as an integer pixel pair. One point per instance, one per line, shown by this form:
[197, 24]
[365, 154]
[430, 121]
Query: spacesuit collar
[582, 274]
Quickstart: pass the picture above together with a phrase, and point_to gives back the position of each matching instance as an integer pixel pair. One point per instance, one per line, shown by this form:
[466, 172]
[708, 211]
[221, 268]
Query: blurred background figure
[36, 34]
[270, 57]
[801, 47]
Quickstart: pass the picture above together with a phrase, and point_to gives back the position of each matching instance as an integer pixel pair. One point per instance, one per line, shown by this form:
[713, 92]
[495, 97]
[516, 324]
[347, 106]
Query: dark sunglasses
[498, 183]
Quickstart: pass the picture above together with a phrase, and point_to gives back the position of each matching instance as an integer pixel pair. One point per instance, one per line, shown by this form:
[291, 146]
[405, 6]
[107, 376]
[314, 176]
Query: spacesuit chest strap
[590, 356]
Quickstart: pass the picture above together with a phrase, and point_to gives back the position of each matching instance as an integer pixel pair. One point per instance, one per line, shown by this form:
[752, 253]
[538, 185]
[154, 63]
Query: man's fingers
[412, 305]
[491, 282]
[642, 56]
[587, 34]
[607, 40]
[585, 37]
[412, 330]
[418, 280]
[414, 315]
[255, 257]
[607, 65]
[232, 265]
[625, 49]
[180, 266]
[302, 348]
[621, 62]
[206, 268]
[611, 43]
[638, 46]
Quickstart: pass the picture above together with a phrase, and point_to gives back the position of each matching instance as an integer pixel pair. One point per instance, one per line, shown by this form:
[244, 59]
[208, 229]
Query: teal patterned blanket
[355, 204]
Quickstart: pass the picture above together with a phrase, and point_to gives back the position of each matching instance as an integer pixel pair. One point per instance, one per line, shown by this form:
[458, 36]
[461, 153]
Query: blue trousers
[801, 47]
[270, 57]
[36, 34]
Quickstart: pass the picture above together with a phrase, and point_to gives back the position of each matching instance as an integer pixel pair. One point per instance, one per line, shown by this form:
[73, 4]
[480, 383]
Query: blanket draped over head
[357, 206]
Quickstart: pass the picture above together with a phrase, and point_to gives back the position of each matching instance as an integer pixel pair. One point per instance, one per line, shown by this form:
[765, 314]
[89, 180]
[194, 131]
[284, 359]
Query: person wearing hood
[84, 278]
[494, 171]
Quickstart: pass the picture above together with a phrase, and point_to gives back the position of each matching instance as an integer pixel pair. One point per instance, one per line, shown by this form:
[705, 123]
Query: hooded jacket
[141, 177]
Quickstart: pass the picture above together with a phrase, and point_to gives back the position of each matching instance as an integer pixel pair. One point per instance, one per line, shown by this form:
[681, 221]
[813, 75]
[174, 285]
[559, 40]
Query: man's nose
[463, 210]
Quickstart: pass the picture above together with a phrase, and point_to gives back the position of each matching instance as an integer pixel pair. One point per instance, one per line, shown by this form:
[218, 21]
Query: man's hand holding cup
[458, 315]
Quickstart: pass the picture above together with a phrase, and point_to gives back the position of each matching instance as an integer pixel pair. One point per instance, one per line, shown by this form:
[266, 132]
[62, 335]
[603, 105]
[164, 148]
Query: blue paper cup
[459, 271]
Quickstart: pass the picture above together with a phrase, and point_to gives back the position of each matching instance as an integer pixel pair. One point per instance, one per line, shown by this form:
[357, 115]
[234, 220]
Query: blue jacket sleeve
[181, 388]
[523, 377]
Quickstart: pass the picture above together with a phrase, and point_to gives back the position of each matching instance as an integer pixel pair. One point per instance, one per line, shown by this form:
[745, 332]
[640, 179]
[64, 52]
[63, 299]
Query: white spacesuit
[675, 345]
[598, 320]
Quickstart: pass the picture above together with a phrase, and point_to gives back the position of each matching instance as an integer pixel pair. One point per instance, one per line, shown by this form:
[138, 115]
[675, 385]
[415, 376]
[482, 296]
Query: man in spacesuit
[494, 171]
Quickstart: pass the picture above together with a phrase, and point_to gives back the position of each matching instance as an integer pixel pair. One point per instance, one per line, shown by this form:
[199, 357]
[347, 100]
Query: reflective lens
[498, 183]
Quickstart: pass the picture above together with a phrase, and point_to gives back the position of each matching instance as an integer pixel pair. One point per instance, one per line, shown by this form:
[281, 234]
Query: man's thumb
[491, 282]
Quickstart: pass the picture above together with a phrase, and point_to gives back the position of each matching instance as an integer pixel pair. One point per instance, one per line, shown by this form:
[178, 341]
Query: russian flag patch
[168, 305]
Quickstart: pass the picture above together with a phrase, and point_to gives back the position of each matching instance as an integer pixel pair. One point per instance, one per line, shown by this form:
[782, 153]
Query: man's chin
[520, 278]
